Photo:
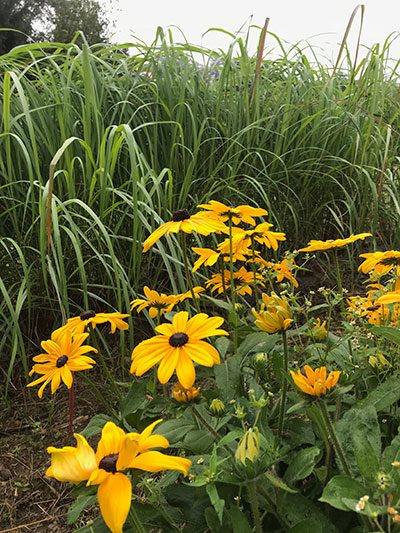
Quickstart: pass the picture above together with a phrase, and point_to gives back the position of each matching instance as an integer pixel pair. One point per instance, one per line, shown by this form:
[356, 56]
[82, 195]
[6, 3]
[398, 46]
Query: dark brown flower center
[109, 463]
[182, 214]
[87, 314]
[178, 339]
[61, 361]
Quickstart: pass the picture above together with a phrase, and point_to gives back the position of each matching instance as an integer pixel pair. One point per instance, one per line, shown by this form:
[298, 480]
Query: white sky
[321, 22]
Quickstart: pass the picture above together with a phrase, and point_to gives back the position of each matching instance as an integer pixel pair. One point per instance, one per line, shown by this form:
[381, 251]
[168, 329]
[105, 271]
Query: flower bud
[249, 446]
[217, 407]
[319, 331]
[275, 314]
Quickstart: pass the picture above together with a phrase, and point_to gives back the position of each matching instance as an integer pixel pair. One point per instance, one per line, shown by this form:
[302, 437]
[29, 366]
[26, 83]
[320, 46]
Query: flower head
[188, 294]
[65, 354]
[116, 451]
[275, 314]
[178, 346]
[314, 245]
[242, 213]
[282, 270]
[200, 222]
[241, 281]
[261, 234]
[157, 303]
[184, 395]
[249, 446]
[315, 382]
[78, 324]
[209, 257]
[318, 330]
[380, 262]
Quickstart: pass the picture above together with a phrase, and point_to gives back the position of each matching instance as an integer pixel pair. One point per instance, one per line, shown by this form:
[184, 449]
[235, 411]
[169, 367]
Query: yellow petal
[185, 370]
[167, 366]
[110, 442]
[157, 461]
[114, 495]
[72, 464]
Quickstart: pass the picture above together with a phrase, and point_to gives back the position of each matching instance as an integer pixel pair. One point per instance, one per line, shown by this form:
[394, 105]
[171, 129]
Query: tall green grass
[129, 138]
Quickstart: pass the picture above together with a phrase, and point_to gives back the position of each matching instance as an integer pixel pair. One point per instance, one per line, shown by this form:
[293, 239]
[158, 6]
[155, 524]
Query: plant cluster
[275, 417]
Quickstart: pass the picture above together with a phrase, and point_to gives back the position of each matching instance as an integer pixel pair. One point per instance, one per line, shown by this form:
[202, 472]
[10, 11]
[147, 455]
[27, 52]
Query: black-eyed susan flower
[319, 330]
[241, 213]
[184, 395]
[281, 271]
[157, 303]
[188, 294]
[177, 347]
[314, 245]
[78, 324]
[380, 262]
[65, 354]
[275, 314]
[315, 382]
[182, 221]
[261, 234]
[209, 257]
[241, 281]
[116, 451]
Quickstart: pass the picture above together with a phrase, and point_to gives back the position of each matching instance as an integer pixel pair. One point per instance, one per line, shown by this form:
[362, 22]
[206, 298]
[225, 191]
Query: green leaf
[96, 425]
[296, 508]
[239, 521]
[365, 423]
[391, 334]
[222, 344]
[391, 454]
[365, 456]
[82, 501]
[257, 342]
[174, 430]
[305, 526]
[135, 399]
[385, 395]
[227, 376]
[199, 441]
[302, 465]
[340, 487]
[216, 501]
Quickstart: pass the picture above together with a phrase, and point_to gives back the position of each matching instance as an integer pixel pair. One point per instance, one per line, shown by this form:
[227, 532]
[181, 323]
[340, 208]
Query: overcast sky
[321, 22]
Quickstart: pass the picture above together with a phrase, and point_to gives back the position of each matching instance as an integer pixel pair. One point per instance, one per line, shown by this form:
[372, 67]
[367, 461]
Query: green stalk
[233, 293]
[251, 489]
[339, 280]
[253, 266]
[135, 521]
[332, 434]
[284, 385]
[215, 434]
[222, 266]
[103, 363]
[187, 270]
[99, 396]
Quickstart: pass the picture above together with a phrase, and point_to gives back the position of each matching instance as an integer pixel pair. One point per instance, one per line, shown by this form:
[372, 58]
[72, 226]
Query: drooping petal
[156, 462]
[114, 495]
[72, 464]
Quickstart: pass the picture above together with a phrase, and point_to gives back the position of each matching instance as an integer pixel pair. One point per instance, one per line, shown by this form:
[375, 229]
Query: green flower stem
[215, 434]
[135, 521]
[339, 280]
[272, 505]
[253, 266]
[332, 434]
[98, 395]
[233, 293]
[187, 270]
[251, 489]
[284, 385]
[222, 266]
[103, 363]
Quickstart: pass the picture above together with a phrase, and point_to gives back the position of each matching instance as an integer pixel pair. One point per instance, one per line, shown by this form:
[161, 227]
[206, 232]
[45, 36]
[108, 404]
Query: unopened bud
[249, 446]
[217, 407]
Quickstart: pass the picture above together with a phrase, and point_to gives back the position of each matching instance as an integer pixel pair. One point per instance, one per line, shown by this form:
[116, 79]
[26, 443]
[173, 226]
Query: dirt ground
[30, 501]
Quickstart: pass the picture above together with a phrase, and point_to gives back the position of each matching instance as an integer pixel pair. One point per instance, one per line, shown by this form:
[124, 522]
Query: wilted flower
[315, 382]
[78, 324]
[275, 314]
[319, 331]
[184, 395]
[249, 446]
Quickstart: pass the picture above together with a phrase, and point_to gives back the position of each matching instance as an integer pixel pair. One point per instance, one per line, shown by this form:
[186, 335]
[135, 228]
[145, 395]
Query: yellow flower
[380, 262]
[261, 234]
[282, 270]
[78, 324]
[64, 356]
[182, 221]
[177, 346]
[188, 294]
[241, 280]
[209, 257]
[157, 303]
[275, 314]
[314, 245]
[116, 451]
[319, 331]
[315, 382]
[184, 395]
[242, 213]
